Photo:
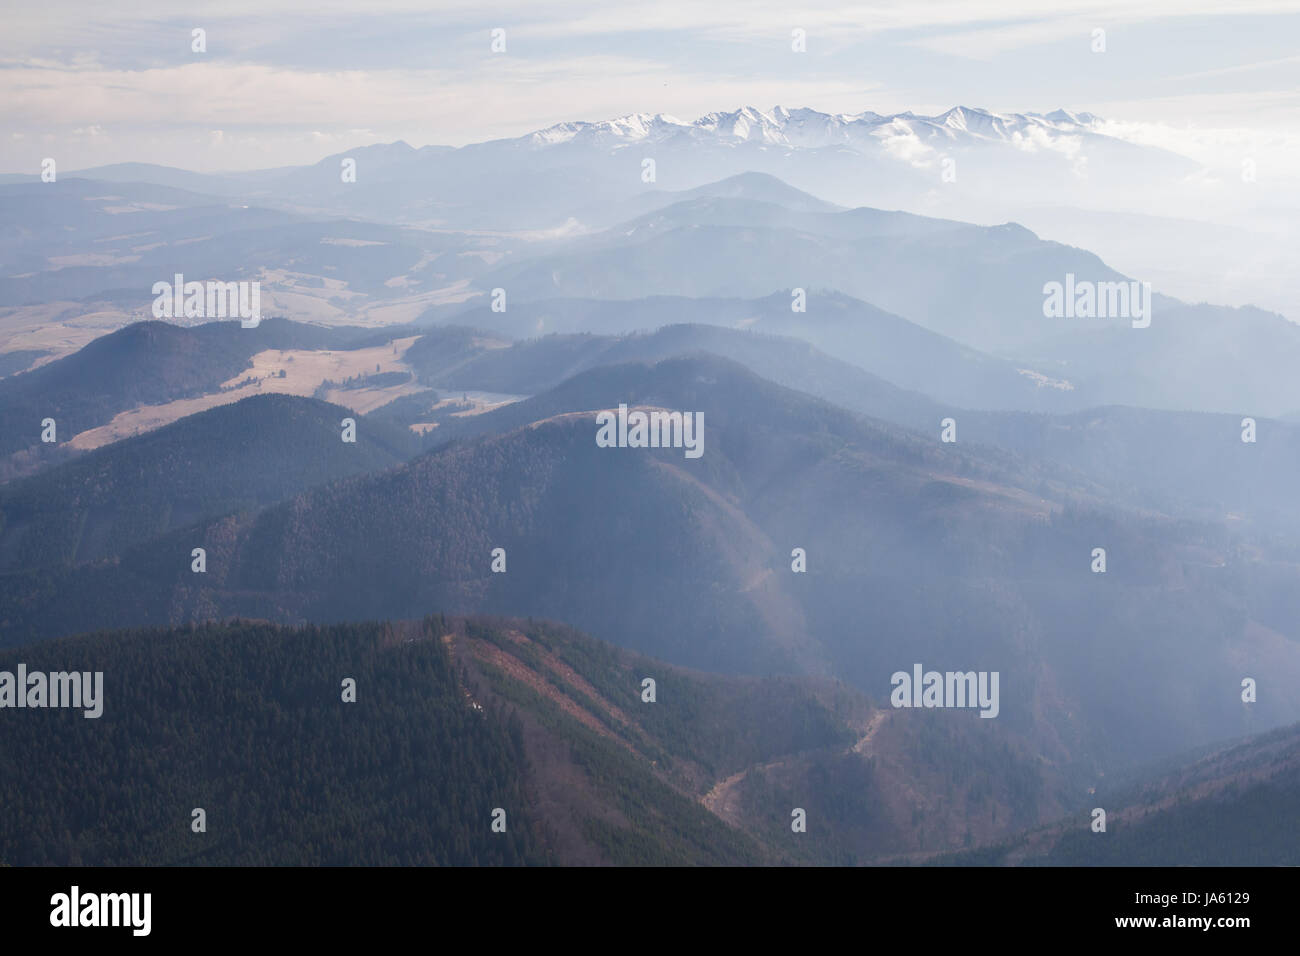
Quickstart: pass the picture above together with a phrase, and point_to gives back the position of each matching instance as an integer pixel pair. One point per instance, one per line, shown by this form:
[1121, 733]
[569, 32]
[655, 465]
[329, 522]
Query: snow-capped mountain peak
[630, 128]
[802, 127]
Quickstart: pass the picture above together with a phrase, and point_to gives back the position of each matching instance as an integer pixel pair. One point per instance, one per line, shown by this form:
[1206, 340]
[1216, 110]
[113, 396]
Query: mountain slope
[1233, 806]
[455, 360]
[981, 286]
[1192, 464]
[461, 717]
[145, 363]
[246, 722]
[1185, 463]
[576, 166]
[229, 458]
[951, 555]
[887, 346]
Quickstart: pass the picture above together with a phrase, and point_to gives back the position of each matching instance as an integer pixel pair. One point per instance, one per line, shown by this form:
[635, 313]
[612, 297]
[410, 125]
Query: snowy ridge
[811, 129]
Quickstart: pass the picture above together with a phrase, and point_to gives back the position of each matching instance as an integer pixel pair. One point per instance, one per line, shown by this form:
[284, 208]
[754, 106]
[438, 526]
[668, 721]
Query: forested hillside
[1236, 805]
[949, 554]
[234, 457]
[247, 722]
[146, 363]
[597, 755]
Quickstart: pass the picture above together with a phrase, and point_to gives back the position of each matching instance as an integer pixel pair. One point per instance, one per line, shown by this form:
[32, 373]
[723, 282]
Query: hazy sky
[285, 82]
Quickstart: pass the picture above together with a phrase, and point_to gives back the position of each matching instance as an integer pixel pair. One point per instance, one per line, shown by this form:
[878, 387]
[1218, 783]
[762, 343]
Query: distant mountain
[234, 457]
[953, 555]
[1202, 358]
[1178, 463]
[810, 129]
[886, 346]
[152, 173]
[456, 359]
[1184, 463]
[1181, 463]
[854, 159]
[70, 240]
[1068, 175]
[758, 187]
[981, 286]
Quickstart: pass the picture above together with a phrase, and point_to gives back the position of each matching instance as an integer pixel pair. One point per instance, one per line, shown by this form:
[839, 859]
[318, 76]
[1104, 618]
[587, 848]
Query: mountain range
[397, 475]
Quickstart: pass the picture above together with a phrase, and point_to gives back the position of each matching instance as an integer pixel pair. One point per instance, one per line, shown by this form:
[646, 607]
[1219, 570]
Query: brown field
[397, 311]
[303, 373]
[60, 327]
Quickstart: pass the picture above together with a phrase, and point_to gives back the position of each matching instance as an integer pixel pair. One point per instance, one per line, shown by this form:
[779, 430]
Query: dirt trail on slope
[723, 800]
[864, 742]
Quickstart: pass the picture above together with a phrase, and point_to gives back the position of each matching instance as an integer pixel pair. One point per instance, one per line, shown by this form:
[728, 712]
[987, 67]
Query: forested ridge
[241, 456]
[148, 363]
[1230, 805]
[246, 721]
